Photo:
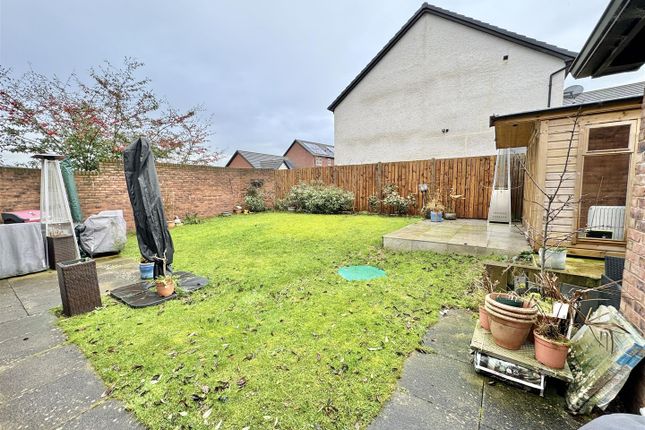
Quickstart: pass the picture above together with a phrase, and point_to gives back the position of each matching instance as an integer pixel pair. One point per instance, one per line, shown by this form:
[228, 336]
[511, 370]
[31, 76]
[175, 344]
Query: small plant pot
[484, 322]
[553, 258]
[165, 287]
[550, 353]
[451, 216]
[171, 224]
[146, 270]
[436, 216]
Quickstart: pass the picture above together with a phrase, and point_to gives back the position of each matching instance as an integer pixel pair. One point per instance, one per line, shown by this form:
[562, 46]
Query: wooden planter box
[79, 286]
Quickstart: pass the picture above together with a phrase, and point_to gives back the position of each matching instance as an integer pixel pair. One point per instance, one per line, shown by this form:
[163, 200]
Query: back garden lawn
[278, 339]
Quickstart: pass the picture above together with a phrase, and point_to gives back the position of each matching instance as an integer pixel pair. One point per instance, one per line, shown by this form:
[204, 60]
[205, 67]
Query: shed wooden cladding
[471, 177]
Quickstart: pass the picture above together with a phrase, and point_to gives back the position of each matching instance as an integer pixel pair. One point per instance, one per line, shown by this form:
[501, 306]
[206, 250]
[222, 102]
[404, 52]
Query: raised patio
[463, 236]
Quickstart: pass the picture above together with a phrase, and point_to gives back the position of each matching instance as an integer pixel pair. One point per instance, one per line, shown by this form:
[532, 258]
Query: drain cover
[360, 273]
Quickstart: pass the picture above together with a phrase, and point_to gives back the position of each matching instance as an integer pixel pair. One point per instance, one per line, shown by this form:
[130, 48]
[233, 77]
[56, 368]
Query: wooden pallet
[484, 345]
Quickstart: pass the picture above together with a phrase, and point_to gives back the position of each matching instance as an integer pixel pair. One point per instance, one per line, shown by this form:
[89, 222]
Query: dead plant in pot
[482, 287]
[553, 327]
[451, 207]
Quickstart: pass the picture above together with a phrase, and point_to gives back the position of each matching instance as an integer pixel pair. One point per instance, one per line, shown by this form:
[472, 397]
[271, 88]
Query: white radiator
[607, 218]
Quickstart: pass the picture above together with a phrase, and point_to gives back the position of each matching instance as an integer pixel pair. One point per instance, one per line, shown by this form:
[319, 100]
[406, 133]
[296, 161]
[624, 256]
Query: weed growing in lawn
[278, 339]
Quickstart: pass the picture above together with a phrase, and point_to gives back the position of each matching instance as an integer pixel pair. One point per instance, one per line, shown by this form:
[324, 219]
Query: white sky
[267, 70]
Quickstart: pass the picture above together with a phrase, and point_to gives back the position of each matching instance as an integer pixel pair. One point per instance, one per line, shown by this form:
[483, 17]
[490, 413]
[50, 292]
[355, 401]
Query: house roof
[613, 93]
[314, 148]
[261, 161]
[616, 43]
[544, 47]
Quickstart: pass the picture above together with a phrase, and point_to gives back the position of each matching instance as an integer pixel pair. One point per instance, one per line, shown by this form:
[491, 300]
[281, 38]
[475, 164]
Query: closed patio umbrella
[145, 196]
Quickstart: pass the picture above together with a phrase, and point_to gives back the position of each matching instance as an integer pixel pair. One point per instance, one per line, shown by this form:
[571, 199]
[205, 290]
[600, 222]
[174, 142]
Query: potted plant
[510, 325]
[165, 283]
[483, 287]
[451, 213]
[551, 332]
[434, 209]
[553, 258]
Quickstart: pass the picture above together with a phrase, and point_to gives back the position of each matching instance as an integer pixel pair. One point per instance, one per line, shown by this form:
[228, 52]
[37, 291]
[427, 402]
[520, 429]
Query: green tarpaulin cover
[360, 273]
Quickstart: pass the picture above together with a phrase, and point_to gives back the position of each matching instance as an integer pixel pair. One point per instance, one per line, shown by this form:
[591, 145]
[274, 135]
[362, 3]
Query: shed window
[609, 138]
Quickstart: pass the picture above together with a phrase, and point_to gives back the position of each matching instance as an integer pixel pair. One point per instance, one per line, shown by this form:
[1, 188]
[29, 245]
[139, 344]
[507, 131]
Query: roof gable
[314, 148]
[259, 160]
[528, 42]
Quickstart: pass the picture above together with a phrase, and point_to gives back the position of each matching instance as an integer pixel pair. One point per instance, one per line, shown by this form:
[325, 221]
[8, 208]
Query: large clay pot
[484, 322]
[515, 315]
[550, 353]
[508, 332]
[525, 310]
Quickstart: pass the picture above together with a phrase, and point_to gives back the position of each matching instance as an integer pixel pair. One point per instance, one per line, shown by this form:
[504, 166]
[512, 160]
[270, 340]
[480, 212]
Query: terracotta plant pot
[491, 300]
[550, 353]
[484, 322]
[514, 315]
[165, 287]
[509, 333]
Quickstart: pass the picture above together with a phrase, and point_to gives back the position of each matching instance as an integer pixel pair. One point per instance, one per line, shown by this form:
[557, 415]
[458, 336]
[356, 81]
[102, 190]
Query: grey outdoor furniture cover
[22, 249]
[147, 205]
[104, 233]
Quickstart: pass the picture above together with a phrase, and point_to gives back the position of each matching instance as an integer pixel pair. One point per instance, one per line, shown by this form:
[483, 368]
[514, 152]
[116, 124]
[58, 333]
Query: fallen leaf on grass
[207, 413]
[108, 391]
[241, 383]
[155, 379]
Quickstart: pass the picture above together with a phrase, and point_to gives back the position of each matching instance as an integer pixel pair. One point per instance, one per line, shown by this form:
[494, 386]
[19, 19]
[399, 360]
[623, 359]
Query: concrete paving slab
[510, 408]
[27, 336]
[407, 412]
[13, 312]
[108, 415]
[450, 385]
[51, 405]
[452, 338]
[40, 369]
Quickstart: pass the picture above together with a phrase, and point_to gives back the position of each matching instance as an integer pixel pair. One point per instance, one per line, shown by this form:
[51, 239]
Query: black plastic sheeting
[147, 205]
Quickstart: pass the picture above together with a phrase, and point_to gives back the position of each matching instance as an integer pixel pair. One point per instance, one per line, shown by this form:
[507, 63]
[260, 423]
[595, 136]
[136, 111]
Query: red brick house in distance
[256, 160]
[303, 153]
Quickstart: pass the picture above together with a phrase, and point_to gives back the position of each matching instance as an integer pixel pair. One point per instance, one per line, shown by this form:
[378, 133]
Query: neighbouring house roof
[613, 93]
[616, 43]
[314, 148]
[261, 161]
[528, 42]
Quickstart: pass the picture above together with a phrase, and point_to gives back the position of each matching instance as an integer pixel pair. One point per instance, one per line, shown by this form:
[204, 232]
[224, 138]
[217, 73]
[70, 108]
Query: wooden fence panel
[470, 177]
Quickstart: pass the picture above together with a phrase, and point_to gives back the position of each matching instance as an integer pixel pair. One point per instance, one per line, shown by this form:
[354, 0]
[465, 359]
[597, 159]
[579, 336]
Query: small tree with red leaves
[92, 122]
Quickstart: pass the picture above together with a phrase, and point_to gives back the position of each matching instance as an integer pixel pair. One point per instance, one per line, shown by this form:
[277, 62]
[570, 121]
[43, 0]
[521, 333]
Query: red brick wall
[633, 292]
[208, 191]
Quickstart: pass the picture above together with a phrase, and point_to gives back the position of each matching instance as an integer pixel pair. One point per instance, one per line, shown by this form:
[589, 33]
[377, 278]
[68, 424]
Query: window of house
[318, 161]
[604, 181]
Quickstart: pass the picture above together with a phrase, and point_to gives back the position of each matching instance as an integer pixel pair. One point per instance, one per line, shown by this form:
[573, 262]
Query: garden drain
[360, 273]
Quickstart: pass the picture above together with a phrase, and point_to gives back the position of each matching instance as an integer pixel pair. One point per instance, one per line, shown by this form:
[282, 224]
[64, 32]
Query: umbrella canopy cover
[147, 205]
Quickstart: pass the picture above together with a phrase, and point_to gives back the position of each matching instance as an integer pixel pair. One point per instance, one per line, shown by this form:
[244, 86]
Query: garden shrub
[254, 199]
[318, 198]
[395, 202]
[191, 218]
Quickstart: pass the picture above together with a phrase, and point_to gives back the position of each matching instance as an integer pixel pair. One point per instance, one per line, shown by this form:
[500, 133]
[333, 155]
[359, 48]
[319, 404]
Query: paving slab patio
[45, 382]
[440, 389]
[463, 236]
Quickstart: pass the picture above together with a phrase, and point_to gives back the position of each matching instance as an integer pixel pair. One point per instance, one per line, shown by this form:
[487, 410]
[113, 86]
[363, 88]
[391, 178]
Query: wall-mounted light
[445, 130]
[423, 187]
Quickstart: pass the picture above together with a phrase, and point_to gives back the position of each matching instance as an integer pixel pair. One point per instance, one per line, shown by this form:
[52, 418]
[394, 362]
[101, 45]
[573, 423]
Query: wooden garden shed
[596, 188]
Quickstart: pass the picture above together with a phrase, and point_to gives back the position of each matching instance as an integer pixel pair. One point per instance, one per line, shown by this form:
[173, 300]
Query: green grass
[278, 339]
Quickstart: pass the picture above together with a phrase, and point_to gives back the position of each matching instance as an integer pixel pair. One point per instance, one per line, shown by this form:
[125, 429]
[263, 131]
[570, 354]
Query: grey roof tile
[612, 93]
[317, 149]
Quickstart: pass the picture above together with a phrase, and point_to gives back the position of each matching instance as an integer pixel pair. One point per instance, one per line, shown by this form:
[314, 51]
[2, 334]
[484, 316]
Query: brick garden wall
[633, 291]
[208, 191]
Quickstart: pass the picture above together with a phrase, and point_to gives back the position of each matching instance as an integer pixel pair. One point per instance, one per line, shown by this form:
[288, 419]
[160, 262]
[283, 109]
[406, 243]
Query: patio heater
[55, 215]
[500, 201]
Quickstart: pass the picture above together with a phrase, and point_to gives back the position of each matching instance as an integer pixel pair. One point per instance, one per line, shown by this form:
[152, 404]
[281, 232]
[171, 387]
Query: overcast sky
[266, 70]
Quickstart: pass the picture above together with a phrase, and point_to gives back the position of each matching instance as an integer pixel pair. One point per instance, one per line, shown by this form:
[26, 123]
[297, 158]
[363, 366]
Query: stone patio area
[440, 390]
[464, 236]
[46, 382]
